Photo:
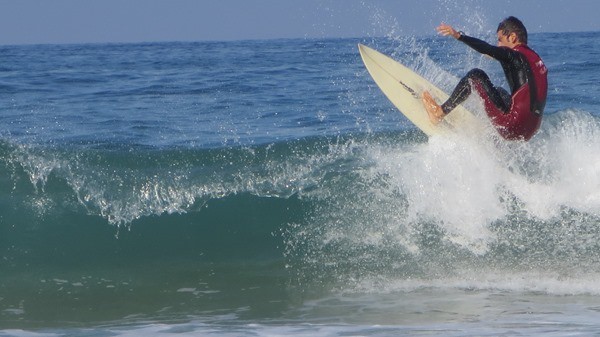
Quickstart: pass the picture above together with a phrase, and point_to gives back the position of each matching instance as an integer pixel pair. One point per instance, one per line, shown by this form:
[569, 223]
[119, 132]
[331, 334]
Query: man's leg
[475, 77]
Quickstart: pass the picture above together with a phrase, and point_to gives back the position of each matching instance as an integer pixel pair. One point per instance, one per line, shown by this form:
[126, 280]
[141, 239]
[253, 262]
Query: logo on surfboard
[409, 89]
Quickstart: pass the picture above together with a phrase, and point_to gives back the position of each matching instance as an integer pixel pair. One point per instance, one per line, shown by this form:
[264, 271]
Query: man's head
[511, 32]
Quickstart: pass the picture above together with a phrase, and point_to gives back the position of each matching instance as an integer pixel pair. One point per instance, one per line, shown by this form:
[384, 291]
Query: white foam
[24, 333]
[451, 181]
[570, 160]
[465, 183]
[545, 282]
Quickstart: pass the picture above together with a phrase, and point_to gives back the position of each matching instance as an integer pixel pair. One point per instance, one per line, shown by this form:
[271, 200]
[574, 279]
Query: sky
[101, 21]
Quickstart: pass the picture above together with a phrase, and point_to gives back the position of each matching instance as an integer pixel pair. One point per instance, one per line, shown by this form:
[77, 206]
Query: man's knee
[477, 74]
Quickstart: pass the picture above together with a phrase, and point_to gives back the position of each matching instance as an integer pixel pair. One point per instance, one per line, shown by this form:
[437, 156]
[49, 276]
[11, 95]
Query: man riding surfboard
[518, 115]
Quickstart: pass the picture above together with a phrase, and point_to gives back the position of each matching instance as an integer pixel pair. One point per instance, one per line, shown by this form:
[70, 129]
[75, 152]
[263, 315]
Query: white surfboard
[404, 89]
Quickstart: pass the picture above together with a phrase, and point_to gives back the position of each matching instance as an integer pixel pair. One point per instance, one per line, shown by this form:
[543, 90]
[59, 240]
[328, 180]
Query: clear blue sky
[83, 21]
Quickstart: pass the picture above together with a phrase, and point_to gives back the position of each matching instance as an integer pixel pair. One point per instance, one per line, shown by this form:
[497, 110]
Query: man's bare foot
[434, 110]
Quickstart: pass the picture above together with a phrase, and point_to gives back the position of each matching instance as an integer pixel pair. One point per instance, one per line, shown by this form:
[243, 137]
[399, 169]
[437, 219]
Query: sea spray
[456, 207]
[460, 207]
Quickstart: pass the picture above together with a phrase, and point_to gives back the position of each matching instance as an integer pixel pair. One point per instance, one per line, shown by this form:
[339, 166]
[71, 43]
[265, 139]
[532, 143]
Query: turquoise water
[269, 188]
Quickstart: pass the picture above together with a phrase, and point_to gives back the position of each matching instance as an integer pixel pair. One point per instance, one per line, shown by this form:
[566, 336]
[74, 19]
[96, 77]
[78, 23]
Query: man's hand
[445, 30]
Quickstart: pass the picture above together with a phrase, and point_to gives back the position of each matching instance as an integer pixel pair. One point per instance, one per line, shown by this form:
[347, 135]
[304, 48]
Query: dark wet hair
[513, 25]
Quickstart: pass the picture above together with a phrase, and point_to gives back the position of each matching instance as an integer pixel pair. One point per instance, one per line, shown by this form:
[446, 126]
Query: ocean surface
[268, 188]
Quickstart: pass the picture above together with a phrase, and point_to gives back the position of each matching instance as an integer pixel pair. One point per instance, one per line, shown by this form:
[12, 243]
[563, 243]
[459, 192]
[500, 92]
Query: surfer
[517, 115]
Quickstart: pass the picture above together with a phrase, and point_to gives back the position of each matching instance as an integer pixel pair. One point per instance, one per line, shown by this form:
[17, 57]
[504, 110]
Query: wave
[389, 206]
[463, 207]
[123, 184]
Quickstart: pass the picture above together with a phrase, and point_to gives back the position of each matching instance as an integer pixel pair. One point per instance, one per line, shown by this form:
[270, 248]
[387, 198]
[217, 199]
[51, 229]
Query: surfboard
[404, 88]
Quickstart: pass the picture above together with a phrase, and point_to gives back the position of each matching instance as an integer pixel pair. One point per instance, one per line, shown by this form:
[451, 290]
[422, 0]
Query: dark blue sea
[268, 188]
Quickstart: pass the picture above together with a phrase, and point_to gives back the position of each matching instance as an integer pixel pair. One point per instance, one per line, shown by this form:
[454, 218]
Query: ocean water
[268, 188]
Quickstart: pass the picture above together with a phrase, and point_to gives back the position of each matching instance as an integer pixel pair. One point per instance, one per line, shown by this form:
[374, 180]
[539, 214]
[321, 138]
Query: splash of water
[457, 205]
